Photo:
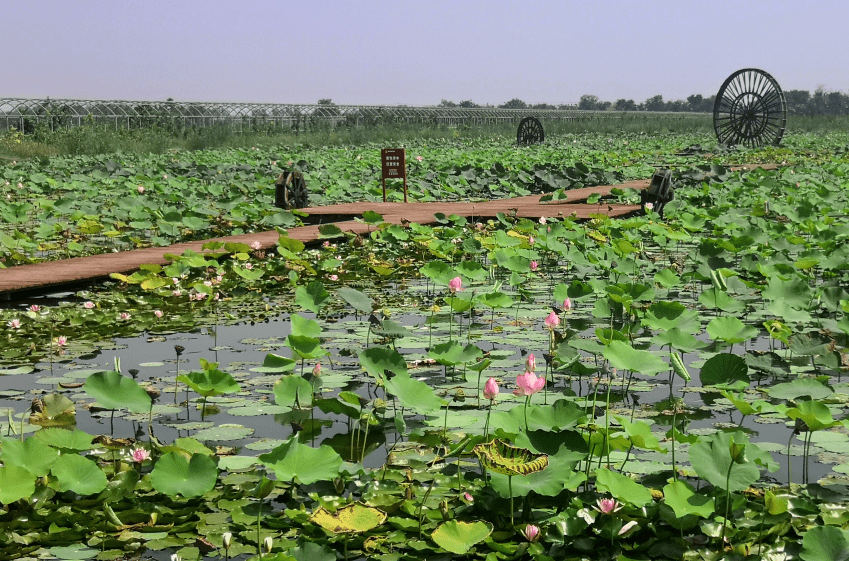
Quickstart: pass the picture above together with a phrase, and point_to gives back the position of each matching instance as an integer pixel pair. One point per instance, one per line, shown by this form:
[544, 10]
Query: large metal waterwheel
[750, 110]
[530, 131]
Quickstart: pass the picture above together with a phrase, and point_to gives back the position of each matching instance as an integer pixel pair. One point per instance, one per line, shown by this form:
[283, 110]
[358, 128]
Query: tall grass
[93, 139]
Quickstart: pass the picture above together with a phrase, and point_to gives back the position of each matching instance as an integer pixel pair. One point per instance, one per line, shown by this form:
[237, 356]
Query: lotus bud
[227, 538]
[490, 389]
[455, 285]
[175, 557]
[268, 542]
[531, 532]
[316, 371]
[531, 362]
[339, 485]
[443, 508]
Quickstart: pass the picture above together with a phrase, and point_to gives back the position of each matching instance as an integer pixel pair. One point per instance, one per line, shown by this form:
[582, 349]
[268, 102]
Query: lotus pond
[382, 397]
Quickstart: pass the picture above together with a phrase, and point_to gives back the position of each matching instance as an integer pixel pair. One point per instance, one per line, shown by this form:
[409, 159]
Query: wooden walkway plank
[54, 275]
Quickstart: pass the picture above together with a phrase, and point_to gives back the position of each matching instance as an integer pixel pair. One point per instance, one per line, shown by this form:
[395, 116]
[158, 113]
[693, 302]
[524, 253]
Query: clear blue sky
[414, 52]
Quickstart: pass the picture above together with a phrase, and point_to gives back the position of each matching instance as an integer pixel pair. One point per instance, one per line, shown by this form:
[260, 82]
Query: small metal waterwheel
[291, 191]
[530, 131]
[750, 110]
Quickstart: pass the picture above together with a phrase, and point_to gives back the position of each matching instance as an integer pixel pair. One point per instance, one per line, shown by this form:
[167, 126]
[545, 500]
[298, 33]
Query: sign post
[393, 166]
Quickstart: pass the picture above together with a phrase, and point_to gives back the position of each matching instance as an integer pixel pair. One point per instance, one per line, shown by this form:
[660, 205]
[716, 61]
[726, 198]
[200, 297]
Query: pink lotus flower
[419, 158]
[608, 506]
[542, 219]
[14, 324]
[333, 277]
[176, 293]
[567, 304]
[316, 371]
[141, 189]
[124, 316]
[140, 455]
[531, 362]
[552, 321]
[35, 308]
[531, 533]
[158, 313]
[534, 265]
[528, 384]
[455, 285]
[61, 341]
[248, 266]
[490, 389]
[468, 498]
[164, 176]
[256, 245]
[88, 305]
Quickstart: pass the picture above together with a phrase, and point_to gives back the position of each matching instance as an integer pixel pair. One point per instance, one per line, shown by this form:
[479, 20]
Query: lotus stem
[727, 503]
[510, 492]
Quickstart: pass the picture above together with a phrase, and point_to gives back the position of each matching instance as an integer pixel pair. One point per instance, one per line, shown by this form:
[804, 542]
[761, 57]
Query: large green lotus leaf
[640, 435]
[293, 390]
[293, 459]
[16, 483]
[565, 448]
[724, 369]
[391, 329]
[308, 551]
[560, 415]
[305, 327]
[459, 537]
[500, 457]
[31, 454]
[711, 459]
[731, 330]
[684, 500]
[800, 387]
[210, 382]
[550, 482]
[305, 347]
[496, 300]
[803, 344]
[825, 543]
[73, 552]
[453, 353]
[354, 518]
[312, 296]
[815, 414]
[622, 355]
[472, 270]
[665, 315]
[356, 299]
[713, 299]
[174, 474]
[439, 272]
[794, 292]
[113, 391]
[680, 340]
[65, 440]
[414, 394]
[276, 364]
[78, 474]
[623, 488]
[379, 360]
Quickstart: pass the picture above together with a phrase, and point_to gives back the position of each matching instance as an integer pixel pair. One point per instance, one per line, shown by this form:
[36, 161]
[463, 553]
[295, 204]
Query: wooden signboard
[393, 165]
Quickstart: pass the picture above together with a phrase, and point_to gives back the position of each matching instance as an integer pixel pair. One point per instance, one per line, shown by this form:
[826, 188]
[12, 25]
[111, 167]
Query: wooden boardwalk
[68, 274]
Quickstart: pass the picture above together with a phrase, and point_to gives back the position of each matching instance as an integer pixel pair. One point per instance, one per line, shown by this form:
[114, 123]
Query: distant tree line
[799, 102]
